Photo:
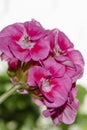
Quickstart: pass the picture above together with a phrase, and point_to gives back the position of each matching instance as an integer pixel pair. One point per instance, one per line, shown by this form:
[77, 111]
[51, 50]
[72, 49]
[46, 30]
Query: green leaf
[81, 93]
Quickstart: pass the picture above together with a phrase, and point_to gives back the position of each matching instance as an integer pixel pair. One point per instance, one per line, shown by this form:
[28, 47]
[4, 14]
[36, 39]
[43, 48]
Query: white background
[70, 16]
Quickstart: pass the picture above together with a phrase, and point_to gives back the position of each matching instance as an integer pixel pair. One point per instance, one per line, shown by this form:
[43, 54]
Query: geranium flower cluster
[46, 65]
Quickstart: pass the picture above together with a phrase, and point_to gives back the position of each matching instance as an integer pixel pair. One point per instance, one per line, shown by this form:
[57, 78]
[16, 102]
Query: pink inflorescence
[46, 65]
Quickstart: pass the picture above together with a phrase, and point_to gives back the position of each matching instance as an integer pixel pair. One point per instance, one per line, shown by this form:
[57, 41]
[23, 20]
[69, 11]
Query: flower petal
[15, 31]
[70, 112]
[76, 57]
[20, 53]
[64, 42]
[40, 50]
[71, 108]
[55, 115]
[74, 73]
[64, 60]
[4, 46]
[37, 101]
[35, 74]
[59, 92]
[34, 30]
[56, 69]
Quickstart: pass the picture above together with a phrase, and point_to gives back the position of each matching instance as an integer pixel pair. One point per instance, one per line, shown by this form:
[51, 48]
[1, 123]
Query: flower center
[46, 86]
[25, 42]
[58, 51]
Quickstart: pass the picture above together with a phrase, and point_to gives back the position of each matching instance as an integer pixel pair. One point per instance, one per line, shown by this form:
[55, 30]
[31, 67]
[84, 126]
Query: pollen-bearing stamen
[57, 50]
[46, 85]
[25, 42]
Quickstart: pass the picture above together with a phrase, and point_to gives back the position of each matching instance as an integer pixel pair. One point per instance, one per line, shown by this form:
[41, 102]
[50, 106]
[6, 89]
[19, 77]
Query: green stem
[4, 96]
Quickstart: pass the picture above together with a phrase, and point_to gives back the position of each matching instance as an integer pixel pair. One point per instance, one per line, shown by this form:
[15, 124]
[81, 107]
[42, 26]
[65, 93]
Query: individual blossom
[62, 49]
[52, 90]
[24, 41]
[65, 113]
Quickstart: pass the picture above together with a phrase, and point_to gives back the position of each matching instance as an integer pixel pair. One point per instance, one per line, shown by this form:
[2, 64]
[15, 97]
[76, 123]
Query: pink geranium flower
[62, 49]
[65, 113]
[53, 89]
[24, 41]
[46, 65]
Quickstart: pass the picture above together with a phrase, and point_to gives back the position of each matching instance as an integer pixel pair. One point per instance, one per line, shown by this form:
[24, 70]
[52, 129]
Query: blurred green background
[19, 112]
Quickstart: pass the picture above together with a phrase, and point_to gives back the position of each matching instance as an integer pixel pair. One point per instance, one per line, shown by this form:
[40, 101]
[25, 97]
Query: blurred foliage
[19, 112]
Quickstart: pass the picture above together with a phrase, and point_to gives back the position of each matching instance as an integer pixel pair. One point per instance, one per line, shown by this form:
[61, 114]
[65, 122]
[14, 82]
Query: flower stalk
[4, 96]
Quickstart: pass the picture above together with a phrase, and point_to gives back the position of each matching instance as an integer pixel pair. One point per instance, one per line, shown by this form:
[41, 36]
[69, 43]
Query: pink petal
[15, 31]
[56, 121]
[4, 46]
[74, 91]
[35, 74]
[75, 73]
[46, 113]
[37, 101]
[56, 69]
[70, 112]
[59, 92]
[65, 61]
[64, 42]
[4, 57]
[20, 53]
[53, 37]
[40, 50]
[71, 108]
[76, 57]
[56, 117]
[35, 30]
